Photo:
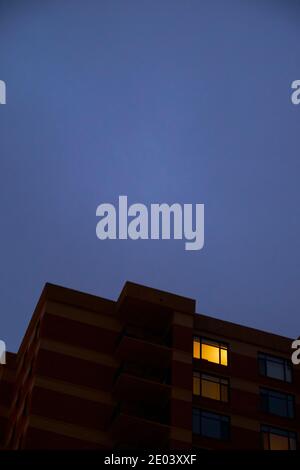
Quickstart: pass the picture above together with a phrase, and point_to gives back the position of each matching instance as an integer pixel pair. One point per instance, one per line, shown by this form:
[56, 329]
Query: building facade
[145, 372]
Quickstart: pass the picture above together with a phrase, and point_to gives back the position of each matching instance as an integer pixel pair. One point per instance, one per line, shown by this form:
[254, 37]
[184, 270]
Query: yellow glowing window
[278, 439]
[209, 386]
[224, 360]
[196, 384]
[211, 351]
[278, 442]
[211, 390]
[196, 352]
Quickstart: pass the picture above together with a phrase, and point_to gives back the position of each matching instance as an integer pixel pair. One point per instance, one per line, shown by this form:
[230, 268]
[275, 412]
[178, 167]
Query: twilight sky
[182, 101]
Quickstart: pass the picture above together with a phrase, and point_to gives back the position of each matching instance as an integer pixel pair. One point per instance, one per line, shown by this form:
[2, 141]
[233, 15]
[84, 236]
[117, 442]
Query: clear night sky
[165, 101]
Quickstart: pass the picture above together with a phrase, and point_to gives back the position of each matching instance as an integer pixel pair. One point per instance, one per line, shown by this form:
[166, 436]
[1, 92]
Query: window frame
[286, 363]
[267, 429]
[287, 397]
[221, 345]
[218, 380]
[221, 419]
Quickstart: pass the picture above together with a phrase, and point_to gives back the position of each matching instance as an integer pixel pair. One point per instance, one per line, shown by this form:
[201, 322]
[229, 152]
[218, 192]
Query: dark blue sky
[164, 101]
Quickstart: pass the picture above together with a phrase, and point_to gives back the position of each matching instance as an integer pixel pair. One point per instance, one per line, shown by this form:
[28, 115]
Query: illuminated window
[208, 386]
[278, 439]
[212, 351]
[196, 348]
[197, 383]
[210, 424]
[277, 403]
[275, 367]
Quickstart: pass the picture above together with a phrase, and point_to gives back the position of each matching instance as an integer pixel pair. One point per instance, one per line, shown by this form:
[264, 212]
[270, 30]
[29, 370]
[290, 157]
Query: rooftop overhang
[146, 306]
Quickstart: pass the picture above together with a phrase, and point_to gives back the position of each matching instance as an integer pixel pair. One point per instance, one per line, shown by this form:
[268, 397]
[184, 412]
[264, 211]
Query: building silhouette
[145, 372]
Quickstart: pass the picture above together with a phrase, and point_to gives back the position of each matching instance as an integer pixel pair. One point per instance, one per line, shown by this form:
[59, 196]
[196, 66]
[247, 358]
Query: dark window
[209, 424]
[275, 367]
[277, 403]
[278, 439]
[209, 386]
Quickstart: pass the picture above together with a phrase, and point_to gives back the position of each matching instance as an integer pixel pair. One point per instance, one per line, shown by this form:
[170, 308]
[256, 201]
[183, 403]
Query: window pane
[278, 406]
[210, 424]
[196, 421]
[278, 439]
[196, 352]
[275, 370]
[264, 402]
[262, 366]
[277, 403]
[196, 385]
[211, 378]
[290, 408]
[224, 360]
[211, 427]
[210, 353]
[210, 389]
[293, 445]
[288, 373]
[275, 367]
[266, 441]
[224, 392]
[278, 442]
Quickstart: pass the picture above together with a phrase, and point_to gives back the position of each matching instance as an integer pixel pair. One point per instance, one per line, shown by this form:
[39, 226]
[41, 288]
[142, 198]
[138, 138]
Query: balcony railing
[163, 338]
[160, 415]
[144, 371]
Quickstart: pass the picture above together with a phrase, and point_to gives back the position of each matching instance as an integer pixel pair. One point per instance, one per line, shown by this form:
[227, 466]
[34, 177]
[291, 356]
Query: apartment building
[145, 372]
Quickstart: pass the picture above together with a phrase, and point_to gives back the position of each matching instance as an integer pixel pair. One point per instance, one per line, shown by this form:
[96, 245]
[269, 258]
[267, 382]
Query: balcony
[148, 426]
[140, 351]
[141, 383]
